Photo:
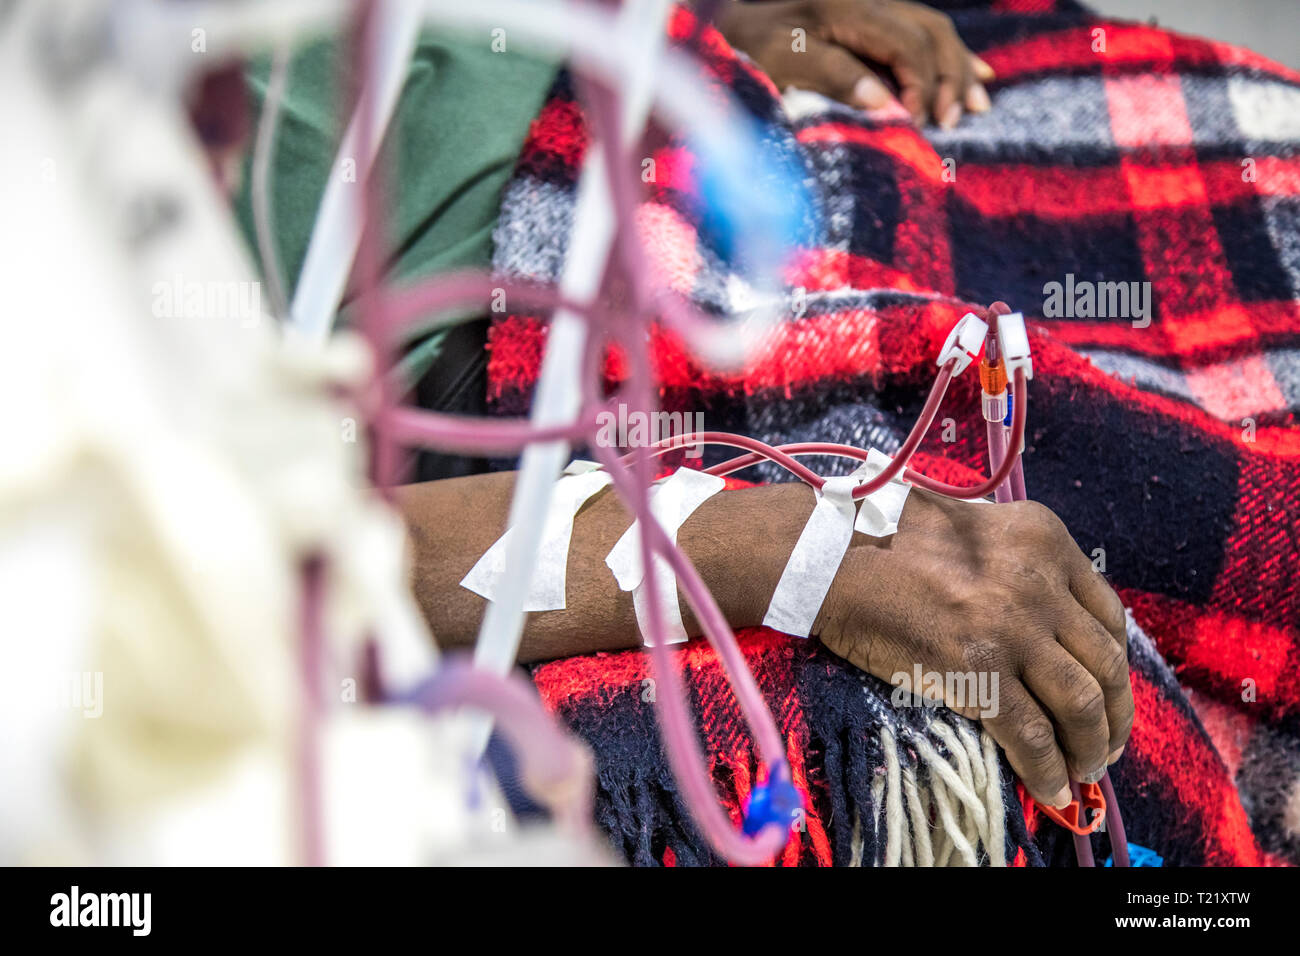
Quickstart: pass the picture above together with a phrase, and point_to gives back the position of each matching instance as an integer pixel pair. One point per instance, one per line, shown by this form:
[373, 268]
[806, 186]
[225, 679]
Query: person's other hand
[977, 589]
[917, 47]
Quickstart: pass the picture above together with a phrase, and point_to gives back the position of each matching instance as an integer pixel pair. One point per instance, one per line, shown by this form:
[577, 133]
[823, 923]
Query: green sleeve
[450, 148]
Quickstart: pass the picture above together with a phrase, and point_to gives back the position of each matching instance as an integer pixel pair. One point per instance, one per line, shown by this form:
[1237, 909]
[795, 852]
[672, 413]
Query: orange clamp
[1072, 815]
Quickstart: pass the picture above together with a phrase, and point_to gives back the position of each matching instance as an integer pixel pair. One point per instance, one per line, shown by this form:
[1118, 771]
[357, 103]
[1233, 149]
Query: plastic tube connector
[774, 801]
[996, 408]
[993, 384]
[963, 343]
[1013, 343]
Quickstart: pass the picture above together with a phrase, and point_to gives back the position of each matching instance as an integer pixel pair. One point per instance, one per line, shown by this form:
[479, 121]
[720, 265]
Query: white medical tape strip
[546, 591]
[815, 559]
[879, 511]
[671, 503]
[818, 553]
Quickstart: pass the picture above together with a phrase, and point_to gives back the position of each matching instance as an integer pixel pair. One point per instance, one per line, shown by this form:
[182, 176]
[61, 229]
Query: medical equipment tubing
[583, 330]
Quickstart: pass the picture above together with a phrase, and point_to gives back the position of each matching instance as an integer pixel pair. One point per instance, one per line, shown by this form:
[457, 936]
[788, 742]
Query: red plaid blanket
[1116, 153]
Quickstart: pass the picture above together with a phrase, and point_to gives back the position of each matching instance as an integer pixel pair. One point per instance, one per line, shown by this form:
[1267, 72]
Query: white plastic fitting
[963, 343]
[994, 406]
[1013, 341]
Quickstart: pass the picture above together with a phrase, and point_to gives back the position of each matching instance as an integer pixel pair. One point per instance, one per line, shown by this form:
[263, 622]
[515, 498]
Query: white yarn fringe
[939, 808]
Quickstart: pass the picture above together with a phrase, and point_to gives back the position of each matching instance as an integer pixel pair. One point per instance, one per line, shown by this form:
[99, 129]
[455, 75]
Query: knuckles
[1037, 523]
[1086, 706]
[1113, 666]
[1037, 739]
[983, 655]
[939, 22]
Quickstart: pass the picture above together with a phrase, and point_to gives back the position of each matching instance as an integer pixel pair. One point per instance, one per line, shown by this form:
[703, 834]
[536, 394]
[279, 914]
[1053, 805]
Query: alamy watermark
[83, 691]
[630, 428]
[129, 910]
[1084, 299]
[181, 298]
[961, 690]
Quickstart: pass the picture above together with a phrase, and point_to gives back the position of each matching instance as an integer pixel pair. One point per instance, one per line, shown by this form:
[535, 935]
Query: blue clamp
[773, 802]
[1010, 405]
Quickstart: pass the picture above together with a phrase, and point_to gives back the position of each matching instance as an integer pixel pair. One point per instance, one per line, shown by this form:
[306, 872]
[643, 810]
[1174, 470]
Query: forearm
[734, 540]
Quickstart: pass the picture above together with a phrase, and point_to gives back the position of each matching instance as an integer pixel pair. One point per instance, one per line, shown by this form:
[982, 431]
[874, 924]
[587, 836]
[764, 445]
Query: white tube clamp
[1013, 341]
[963, 343]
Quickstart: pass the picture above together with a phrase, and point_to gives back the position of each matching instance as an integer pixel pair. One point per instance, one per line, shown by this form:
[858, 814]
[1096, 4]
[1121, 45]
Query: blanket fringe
[884, 783]
[937, 797]
[940, 808]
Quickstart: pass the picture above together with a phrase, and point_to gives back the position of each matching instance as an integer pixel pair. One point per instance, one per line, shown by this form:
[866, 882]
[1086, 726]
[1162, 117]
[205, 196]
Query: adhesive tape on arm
[817, 555]
[879, 511]
[546, 590]
[671, 503]
[815, 559]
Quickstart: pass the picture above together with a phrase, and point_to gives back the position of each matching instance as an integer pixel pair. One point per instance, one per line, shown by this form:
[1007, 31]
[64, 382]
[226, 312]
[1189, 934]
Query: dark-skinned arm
[961, 587]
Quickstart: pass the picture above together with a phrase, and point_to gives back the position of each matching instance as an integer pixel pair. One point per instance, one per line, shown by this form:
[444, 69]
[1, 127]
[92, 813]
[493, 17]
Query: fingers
[912, 58]
[840, 41]
[916, 82]
[902, 44]
[1091, 644]
[1024, 731]
[837, 73]
[1076, 705]
[1098, 598]
[937, 74]
[954, 72]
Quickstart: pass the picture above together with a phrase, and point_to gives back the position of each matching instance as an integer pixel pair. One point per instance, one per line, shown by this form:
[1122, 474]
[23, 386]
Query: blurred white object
[170, 465]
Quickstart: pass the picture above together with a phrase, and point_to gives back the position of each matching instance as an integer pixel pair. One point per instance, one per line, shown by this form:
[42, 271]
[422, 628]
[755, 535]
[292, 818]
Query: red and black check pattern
[1115, 152]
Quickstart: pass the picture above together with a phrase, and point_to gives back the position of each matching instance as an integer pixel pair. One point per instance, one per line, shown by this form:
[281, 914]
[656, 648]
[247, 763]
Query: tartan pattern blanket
[1115, 152]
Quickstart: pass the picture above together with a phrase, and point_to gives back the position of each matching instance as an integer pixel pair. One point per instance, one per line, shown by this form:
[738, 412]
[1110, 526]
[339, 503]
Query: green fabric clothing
[448, 151]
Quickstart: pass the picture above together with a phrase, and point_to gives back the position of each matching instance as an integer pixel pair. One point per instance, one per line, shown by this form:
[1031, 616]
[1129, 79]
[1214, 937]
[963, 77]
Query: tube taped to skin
[879, 511]
[818, 553]
[546, 592]
[671, 503]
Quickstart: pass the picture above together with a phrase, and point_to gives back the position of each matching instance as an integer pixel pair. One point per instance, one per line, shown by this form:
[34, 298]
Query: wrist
[740, 541]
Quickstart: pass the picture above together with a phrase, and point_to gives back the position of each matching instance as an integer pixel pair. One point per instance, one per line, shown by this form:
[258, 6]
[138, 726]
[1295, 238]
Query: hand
[966, 588]
[932, 69]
